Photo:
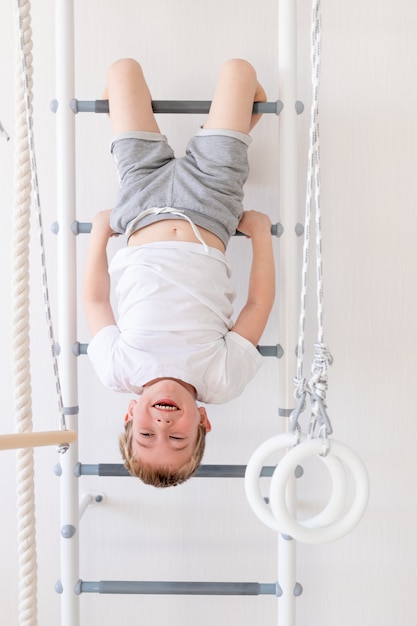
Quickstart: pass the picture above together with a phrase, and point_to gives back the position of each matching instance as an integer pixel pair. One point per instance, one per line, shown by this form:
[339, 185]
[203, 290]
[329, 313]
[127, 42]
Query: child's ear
[130, 409]
[204, 420]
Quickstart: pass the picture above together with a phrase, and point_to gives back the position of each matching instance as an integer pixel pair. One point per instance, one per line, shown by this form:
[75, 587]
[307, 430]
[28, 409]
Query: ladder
[70, 586]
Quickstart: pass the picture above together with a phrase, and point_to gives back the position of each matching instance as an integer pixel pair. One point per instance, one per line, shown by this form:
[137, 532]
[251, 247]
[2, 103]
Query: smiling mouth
[165, 406]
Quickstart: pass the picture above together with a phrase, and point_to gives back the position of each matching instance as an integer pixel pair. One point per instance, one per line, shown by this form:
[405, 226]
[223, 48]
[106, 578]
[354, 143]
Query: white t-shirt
[174, 320]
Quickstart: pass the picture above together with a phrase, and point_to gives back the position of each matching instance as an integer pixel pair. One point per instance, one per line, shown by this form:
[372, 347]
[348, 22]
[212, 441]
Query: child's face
[165, 423]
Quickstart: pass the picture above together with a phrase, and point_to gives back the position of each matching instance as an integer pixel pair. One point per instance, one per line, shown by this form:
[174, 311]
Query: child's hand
[254, 223]
[101, 224]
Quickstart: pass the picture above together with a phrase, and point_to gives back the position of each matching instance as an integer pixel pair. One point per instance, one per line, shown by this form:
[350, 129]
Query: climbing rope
[23, 16]
[26, 529]
[26, 188]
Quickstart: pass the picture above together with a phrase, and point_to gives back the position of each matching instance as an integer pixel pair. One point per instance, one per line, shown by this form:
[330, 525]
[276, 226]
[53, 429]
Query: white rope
[317, 383]
[27, 100]
[26, 529]
[25, 182]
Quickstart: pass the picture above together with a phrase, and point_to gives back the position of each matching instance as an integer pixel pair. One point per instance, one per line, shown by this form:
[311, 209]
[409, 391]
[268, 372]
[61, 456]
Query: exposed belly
[173, 230]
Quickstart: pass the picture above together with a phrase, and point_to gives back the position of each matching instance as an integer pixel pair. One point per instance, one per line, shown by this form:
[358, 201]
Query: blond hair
[162, 475]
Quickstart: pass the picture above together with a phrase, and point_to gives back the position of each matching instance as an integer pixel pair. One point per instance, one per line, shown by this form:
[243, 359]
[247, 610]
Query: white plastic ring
[327, 531]
[252, 474]
[256, 500]
[336, 504]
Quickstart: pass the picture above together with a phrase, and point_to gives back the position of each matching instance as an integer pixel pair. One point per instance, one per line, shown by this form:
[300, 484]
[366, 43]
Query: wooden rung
[29, 440]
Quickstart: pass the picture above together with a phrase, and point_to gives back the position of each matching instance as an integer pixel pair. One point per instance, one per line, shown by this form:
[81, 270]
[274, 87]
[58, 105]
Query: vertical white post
[67, 304]
[288, 266]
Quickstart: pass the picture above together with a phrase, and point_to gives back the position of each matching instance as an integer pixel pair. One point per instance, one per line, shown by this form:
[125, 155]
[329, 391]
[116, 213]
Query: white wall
[205, 530]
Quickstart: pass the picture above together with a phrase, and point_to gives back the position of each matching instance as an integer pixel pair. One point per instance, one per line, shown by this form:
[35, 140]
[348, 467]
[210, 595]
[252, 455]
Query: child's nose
[164, 420]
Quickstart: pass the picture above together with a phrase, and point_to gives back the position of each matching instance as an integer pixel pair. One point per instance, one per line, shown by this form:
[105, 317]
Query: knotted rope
[316, 385]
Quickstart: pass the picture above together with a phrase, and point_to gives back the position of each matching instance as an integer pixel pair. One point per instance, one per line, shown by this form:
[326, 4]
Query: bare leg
[129, 98]
[236, 91]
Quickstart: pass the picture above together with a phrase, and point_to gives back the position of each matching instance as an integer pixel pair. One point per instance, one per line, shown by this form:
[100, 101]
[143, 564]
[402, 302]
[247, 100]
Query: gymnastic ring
[256, 500]
[336, 503]
[306, 531]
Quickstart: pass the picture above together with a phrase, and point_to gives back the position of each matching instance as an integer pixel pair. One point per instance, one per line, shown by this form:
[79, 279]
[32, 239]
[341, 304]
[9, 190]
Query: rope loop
[315, 388]
[324, 434]
[318, 414]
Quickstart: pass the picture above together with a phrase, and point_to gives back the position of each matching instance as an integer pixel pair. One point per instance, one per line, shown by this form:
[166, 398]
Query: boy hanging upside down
[174, 342]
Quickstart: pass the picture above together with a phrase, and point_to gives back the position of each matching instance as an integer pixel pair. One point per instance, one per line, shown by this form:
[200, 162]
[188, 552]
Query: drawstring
[167, 209]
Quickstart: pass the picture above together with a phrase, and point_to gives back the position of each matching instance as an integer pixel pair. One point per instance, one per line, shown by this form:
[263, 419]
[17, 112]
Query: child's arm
[96, 282]
[254, 315]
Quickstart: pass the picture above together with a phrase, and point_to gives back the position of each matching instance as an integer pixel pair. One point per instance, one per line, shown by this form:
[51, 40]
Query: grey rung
[84, 228]
[204, 471]
[81, 349]
[271, 351]
[178, 588]
[171, 106]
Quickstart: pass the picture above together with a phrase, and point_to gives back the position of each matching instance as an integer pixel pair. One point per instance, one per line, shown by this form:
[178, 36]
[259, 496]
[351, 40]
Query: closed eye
[171, 436]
